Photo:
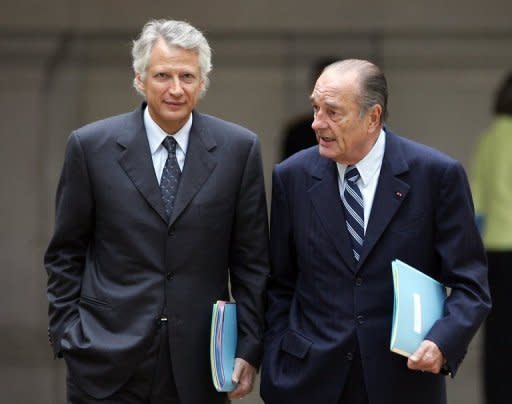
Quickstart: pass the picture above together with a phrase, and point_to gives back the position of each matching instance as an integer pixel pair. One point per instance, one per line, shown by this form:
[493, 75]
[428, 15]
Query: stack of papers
[223, 340]
[419, 303]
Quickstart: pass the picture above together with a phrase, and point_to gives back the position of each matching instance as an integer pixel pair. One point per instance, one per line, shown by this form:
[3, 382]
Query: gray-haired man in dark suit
[156, 209]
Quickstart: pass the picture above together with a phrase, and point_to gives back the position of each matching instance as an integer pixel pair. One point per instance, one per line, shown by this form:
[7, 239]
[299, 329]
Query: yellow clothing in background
[491, 183]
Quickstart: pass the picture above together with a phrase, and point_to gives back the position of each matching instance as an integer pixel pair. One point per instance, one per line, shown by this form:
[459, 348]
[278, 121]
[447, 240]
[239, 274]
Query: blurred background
[64, 63]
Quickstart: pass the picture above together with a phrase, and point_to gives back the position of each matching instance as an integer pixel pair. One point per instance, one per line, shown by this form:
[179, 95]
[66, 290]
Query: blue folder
[418, 304]
[223, 339]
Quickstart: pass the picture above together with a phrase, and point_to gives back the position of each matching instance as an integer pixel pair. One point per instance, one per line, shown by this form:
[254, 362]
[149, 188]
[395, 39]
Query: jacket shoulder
[417, 153]
[105, 124]
[303, 158]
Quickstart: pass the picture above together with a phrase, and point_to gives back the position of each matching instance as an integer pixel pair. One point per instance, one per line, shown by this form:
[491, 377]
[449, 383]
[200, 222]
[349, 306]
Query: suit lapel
[327, 203]
[389, 195]
[137, 162]
[199, 164]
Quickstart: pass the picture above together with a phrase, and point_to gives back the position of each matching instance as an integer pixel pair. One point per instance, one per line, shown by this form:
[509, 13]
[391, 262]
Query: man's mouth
[326, 138]
[173, 103]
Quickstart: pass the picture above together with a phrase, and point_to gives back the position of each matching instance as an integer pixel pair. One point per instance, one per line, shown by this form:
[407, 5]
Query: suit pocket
[68, 330]
[216, 216]
[295, 344]
[93, 302]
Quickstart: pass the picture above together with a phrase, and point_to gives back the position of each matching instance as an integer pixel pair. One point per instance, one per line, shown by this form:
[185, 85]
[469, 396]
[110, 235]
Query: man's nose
[318, 121]
[175, 87]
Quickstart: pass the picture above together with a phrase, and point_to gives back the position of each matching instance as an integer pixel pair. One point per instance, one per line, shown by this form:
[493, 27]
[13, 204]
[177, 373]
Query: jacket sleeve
[249, 264]
[65, 257]
[463, 268]
[283, 275]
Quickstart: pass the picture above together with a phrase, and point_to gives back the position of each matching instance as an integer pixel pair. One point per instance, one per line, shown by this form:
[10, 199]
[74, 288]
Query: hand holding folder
[223, 340]
[418, 304]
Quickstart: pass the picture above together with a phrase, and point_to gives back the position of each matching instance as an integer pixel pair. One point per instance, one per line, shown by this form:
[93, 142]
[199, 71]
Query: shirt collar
[156, 134]
[371, 163]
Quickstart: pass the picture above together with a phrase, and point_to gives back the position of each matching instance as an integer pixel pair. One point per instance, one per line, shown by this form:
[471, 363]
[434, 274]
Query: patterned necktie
[354, 210]
[170, 176]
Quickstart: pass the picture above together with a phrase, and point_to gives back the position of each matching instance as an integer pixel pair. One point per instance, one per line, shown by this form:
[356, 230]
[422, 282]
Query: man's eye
[161, 75]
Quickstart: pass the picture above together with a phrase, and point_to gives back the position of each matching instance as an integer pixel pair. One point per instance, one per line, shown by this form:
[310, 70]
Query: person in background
[156, 210]
[298, 134]
[491, 182]
[341, 212]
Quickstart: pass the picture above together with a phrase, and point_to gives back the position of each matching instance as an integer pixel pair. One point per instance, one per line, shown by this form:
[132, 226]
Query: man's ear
[374, 117]
[139, 83]
[202, 88]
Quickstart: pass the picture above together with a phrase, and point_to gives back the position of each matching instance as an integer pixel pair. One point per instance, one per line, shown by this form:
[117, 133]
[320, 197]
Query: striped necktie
[354, 210]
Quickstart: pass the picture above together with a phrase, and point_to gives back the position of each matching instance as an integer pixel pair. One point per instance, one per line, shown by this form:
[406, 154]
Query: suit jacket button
[360, 319]
[349, 356]
[359, 281]
[169, 276]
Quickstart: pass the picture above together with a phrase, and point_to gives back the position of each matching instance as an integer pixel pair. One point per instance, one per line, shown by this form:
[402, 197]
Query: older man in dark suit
[156, 210]
[341, 212]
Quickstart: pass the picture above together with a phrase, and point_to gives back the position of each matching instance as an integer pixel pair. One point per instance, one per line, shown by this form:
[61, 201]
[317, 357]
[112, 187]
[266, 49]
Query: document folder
[223, 339]
[418, 304]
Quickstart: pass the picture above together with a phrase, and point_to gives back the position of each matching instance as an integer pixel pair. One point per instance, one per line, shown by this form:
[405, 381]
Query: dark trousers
[498, 329]
[152, 382]
[354, 391]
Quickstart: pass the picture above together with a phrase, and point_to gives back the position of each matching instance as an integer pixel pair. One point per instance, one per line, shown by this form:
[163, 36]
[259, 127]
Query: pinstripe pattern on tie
[354, 210]
[170, 176]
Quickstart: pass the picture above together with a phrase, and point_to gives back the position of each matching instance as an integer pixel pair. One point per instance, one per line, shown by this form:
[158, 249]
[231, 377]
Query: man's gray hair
[175, 34]
[373, 86]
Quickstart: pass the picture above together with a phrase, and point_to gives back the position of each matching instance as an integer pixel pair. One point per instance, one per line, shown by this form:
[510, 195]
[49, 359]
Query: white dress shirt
[159, 153]
[369, 170]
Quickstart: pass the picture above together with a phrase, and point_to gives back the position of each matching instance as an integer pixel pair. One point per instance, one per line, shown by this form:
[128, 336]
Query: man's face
[172, 85]
[342, 135]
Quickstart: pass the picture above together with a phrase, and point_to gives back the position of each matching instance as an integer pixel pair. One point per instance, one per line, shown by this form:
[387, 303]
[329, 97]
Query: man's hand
[427, 358]
[243, 375]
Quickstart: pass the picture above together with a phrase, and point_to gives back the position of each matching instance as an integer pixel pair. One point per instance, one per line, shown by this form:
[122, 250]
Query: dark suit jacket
[114, 260]
[321, 305]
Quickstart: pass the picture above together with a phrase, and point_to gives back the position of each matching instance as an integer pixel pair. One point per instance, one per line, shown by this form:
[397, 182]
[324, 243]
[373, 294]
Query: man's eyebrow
[328, 104]
[332, 105]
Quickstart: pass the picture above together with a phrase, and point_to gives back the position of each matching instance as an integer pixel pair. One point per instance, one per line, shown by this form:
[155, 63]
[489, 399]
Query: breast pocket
[411, 224]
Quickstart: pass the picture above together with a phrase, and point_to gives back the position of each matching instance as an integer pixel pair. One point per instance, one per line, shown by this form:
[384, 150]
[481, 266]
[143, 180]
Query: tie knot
[170, 144]
[351, 174]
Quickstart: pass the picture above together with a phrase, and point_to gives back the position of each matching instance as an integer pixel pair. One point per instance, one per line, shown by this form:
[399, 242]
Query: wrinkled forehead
[324, 93]
[331, 87]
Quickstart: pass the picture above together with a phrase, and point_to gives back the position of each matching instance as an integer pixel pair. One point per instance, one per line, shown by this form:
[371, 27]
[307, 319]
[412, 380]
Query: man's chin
[325, 151]
[178, 115]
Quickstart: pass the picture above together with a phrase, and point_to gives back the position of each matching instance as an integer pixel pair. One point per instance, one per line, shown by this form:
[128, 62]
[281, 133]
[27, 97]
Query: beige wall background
[66, 62]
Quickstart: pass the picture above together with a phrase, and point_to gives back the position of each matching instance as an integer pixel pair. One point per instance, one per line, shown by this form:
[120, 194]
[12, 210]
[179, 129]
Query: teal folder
[418, 304]
[223, 339]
